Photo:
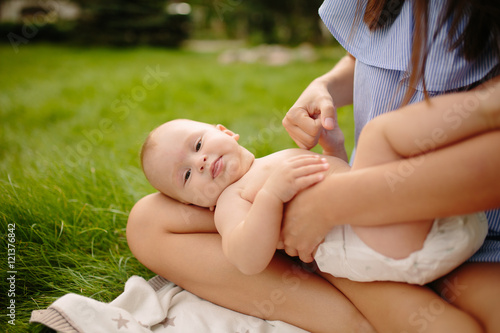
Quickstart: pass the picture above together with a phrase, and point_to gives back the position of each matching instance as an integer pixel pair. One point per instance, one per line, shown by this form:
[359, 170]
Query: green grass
[72, 121]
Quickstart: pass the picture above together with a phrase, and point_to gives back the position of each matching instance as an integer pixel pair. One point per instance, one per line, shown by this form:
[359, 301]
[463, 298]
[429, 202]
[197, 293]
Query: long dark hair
[481, 32]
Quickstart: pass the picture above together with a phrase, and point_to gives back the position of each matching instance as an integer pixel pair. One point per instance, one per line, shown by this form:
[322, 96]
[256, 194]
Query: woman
[450, 52]
[180, 243]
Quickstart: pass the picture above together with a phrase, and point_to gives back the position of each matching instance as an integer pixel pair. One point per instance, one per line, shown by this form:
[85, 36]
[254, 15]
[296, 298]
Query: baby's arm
[250, 231]
[419, 128]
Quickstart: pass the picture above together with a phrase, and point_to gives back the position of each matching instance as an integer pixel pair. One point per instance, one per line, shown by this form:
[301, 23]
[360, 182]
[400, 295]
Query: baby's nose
[202, 163]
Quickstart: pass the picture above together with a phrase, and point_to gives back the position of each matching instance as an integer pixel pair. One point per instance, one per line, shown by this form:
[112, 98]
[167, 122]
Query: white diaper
[450, 242]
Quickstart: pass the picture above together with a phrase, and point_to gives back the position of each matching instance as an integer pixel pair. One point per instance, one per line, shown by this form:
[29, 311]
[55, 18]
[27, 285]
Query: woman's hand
[312, 120]
[313, 112]
[303, 229]
[310, 215]
[313, 117]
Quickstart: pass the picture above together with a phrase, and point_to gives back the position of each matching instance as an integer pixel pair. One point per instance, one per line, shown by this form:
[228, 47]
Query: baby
[201, 164]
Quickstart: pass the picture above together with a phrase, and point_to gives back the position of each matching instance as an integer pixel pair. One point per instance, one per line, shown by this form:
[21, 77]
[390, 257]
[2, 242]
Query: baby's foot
[489, 95]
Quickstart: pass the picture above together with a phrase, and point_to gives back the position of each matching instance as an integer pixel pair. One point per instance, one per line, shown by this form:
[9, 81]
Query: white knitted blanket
[157, 306]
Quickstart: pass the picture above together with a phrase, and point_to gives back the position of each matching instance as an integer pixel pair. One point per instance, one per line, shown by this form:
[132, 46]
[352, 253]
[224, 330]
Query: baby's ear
[228, 132]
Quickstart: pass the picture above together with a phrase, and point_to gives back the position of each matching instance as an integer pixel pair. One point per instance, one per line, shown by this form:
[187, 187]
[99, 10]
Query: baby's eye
[187, 175]
[198, 145]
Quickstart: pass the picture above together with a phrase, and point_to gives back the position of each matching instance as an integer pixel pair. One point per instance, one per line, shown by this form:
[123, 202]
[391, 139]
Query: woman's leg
[400, 307]
[474, 288]
[158, 235]
[179, 243]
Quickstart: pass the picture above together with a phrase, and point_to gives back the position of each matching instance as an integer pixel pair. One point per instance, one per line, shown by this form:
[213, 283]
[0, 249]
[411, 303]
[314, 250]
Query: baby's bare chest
[253, 184]
[256, 177]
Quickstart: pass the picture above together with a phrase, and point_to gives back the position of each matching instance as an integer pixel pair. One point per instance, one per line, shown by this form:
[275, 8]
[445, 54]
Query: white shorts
[450, 242]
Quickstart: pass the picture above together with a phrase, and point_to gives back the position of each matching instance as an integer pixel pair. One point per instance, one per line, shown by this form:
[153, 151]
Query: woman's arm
[456, 179]
[340, 81]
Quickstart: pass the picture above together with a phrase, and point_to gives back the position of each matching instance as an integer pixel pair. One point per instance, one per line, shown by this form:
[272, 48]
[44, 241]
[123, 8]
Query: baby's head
[193, 162]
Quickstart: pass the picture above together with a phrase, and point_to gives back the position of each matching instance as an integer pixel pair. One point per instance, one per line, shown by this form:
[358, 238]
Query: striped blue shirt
[381, 76]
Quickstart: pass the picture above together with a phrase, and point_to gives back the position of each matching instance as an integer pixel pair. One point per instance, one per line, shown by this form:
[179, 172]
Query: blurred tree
[260, 21]
[150, 22]
[128, 22]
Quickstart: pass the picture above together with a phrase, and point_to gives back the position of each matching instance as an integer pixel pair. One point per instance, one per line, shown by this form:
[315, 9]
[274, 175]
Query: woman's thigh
[475, 288]
[284, 291]
[400, 307]
[195, 261]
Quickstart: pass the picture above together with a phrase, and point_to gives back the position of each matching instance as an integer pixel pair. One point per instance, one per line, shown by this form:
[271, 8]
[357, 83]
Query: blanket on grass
[157, 305]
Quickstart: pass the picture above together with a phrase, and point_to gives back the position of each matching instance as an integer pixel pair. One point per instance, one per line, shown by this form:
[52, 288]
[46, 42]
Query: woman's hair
[481, 32]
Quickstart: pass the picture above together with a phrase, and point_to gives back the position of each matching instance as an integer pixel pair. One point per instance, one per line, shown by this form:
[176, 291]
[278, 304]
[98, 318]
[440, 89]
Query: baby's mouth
[216, 167]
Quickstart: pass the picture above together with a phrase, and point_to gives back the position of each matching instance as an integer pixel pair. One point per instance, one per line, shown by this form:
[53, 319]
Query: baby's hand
[295, 174]
[332, 142]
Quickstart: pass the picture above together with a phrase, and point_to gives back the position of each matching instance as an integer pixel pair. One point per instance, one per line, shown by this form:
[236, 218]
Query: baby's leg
[397, 240]
[489, 94]
[415, 130]
[429, 125]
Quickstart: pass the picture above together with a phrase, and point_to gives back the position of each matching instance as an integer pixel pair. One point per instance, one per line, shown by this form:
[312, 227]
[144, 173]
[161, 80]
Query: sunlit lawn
[72, 121]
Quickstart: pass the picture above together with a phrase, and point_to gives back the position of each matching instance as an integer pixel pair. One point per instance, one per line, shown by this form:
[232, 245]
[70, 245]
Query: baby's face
[194, 162]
